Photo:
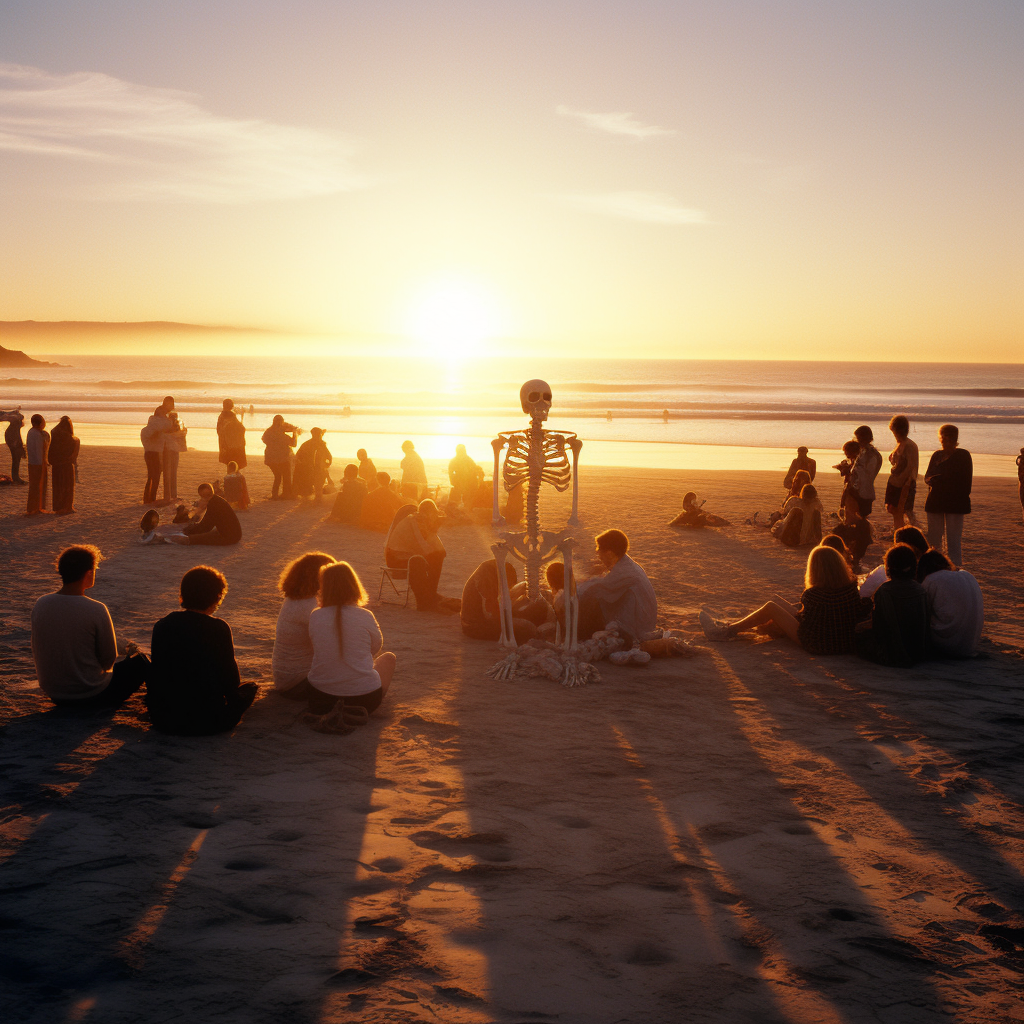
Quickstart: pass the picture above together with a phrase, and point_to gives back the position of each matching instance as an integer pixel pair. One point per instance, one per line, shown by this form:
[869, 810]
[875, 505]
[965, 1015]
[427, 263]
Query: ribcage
[553, 462]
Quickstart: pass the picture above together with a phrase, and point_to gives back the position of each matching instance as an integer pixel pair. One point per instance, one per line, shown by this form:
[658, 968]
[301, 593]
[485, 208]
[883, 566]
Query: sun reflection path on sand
[731, 920]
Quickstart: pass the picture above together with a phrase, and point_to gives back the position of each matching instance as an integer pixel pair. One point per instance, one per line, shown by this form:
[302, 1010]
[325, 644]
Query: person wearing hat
[801, 462]
[414, 545]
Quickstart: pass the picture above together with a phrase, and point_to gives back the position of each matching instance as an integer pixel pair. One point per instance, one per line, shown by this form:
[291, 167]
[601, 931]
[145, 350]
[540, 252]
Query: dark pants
[282, 479]
[590, 619]
[128, 676]
[224, 719]
[37, 476]
[154, 464]
[424, 573]
[16, 456]
[320, 703]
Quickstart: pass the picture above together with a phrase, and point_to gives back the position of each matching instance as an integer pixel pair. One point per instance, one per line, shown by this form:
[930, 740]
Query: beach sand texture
[752, 835]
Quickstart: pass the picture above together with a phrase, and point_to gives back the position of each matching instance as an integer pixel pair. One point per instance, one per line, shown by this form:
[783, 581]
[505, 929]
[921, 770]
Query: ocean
[699, 414]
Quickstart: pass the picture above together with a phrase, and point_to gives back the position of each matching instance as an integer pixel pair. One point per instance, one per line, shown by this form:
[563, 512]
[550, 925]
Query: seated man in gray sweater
[73, 641]
[623, 594]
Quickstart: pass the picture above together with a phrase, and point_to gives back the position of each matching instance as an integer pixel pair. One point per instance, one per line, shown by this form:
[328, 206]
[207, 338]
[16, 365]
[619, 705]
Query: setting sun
[454, 319]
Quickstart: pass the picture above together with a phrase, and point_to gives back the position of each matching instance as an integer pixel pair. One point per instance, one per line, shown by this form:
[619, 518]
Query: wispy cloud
[650, 207]
[615, 124]
[164, 144]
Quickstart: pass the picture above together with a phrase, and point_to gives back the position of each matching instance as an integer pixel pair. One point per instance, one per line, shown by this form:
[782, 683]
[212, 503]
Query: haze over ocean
[740, 414]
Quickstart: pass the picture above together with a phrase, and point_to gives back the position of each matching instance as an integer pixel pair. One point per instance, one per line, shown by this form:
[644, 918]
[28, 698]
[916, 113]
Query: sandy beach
[753, 835]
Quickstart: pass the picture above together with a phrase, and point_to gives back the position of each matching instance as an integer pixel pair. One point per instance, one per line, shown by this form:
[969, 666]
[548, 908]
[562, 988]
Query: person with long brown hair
[62, 456]
[825, 620]
[348, 667]
[293, 649]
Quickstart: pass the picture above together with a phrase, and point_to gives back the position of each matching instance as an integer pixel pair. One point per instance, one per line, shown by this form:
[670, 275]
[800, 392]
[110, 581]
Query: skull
[535, 396]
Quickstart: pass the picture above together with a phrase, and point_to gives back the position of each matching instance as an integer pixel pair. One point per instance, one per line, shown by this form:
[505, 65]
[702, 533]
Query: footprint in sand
[245, 865]
[284, 835]
[647, 954]
[571, 822]
[486, 846]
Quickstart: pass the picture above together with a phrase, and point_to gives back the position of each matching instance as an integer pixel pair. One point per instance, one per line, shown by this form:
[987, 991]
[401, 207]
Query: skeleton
[537, 456]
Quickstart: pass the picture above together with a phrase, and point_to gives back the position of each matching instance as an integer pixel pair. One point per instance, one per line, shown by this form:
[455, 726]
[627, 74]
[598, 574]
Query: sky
[738, 180]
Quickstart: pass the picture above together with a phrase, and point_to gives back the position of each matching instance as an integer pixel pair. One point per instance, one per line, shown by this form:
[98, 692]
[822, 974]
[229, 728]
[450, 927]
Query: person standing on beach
[231, 436]
[279, 439]
[312, 463]
[949, 477]
[174, 444]
[62, 455]
[12, 438]
[865, 469]
[902, 484]
[73, 641]
[414, 473]
[462, 475]
[152, 436]
[38, 445]
[800, 463]
[1020, 482]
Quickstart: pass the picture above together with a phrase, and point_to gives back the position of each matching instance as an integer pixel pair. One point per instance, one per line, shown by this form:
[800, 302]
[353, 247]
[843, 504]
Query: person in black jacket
[219, 524]
[194, 688]
[949, 477]
[899, 633]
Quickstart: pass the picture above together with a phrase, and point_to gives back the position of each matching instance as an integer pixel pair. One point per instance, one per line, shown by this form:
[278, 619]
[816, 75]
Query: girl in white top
[293, 649]
[347, 667]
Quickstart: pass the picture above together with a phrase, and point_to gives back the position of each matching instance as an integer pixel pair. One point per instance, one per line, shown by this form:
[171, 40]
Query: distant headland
[12, 357]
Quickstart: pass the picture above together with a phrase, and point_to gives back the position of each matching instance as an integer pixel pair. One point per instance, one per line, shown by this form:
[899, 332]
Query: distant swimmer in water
[664, 415]
[692, 515]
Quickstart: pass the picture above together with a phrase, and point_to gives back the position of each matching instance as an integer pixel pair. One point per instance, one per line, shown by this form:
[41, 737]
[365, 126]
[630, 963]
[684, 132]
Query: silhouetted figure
[38, 446]
[236, 490]
[899, 633]
[901, 488]
[463, 476]
[16, 446]
[950, 476]
[693, 515]
[865, 469]
[348, 505]
[231, 436]
[62, 456]
[312, 462]
[219, 524]
[367, 470]
[480, 613]
[1020, 480]
[414, 473]
[380, 506]
[73, 641]
[800, 524]
[279, 439]
[800, 463]
[175, 442]
[152, 437]
[194, 688]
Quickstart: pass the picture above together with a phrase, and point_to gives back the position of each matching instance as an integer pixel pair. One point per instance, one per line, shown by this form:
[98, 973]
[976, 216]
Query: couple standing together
[163, 441]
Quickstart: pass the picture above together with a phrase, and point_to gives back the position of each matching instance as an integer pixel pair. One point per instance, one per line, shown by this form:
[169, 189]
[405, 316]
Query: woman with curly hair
[293, 649]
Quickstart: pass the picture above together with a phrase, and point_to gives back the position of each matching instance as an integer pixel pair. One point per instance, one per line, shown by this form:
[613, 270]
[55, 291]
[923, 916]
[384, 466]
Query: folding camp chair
[397, 579]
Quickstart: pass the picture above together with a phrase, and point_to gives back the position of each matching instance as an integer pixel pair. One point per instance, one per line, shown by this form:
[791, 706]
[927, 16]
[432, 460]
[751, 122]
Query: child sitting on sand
[236, 490]
[693, 516]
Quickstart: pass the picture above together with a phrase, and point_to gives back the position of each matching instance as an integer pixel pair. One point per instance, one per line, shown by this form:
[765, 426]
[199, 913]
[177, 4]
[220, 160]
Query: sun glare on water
[453, 320]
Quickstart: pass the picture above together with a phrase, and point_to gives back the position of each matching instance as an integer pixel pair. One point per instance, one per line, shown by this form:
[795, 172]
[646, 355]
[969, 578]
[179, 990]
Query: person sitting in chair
[414, 545]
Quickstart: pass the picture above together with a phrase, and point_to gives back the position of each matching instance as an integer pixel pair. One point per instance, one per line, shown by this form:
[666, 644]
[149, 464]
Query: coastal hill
[12, 357]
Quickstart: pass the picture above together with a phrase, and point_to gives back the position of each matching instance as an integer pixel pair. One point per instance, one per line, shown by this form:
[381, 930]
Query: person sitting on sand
[909, 535]
[414, 473]
[623, 594]
[219, 524]
[380, 506]
[348, 505]
[73, 641]
[800, 464]
[293, 649]
[901, 488]
[312, 466]
[148, 526]
[694, 516]
[194, 687]
[956, 608]
[481, 612]
[832, 540]
[825, 620]
[462, 475]
[899, 617]
[367, 470]
[800, 524]
[414, 545]
[236, 490]
[348, 668]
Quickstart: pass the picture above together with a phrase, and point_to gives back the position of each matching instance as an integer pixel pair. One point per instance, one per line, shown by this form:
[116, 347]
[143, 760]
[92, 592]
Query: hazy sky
[800, 180]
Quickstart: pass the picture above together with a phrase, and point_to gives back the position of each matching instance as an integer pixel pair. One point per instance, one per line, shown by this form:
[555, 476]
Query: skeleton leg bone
[508, 636]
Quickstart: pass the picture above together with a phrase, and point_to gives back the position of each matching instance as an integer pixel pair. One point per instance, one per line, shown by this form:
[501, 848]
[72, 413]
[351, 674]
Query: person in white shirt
[38, 445]
[956, 609]
[865, 469]
[623, 594]
[348, 669]
[73, 641]
[906, 535]
[293, 649]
